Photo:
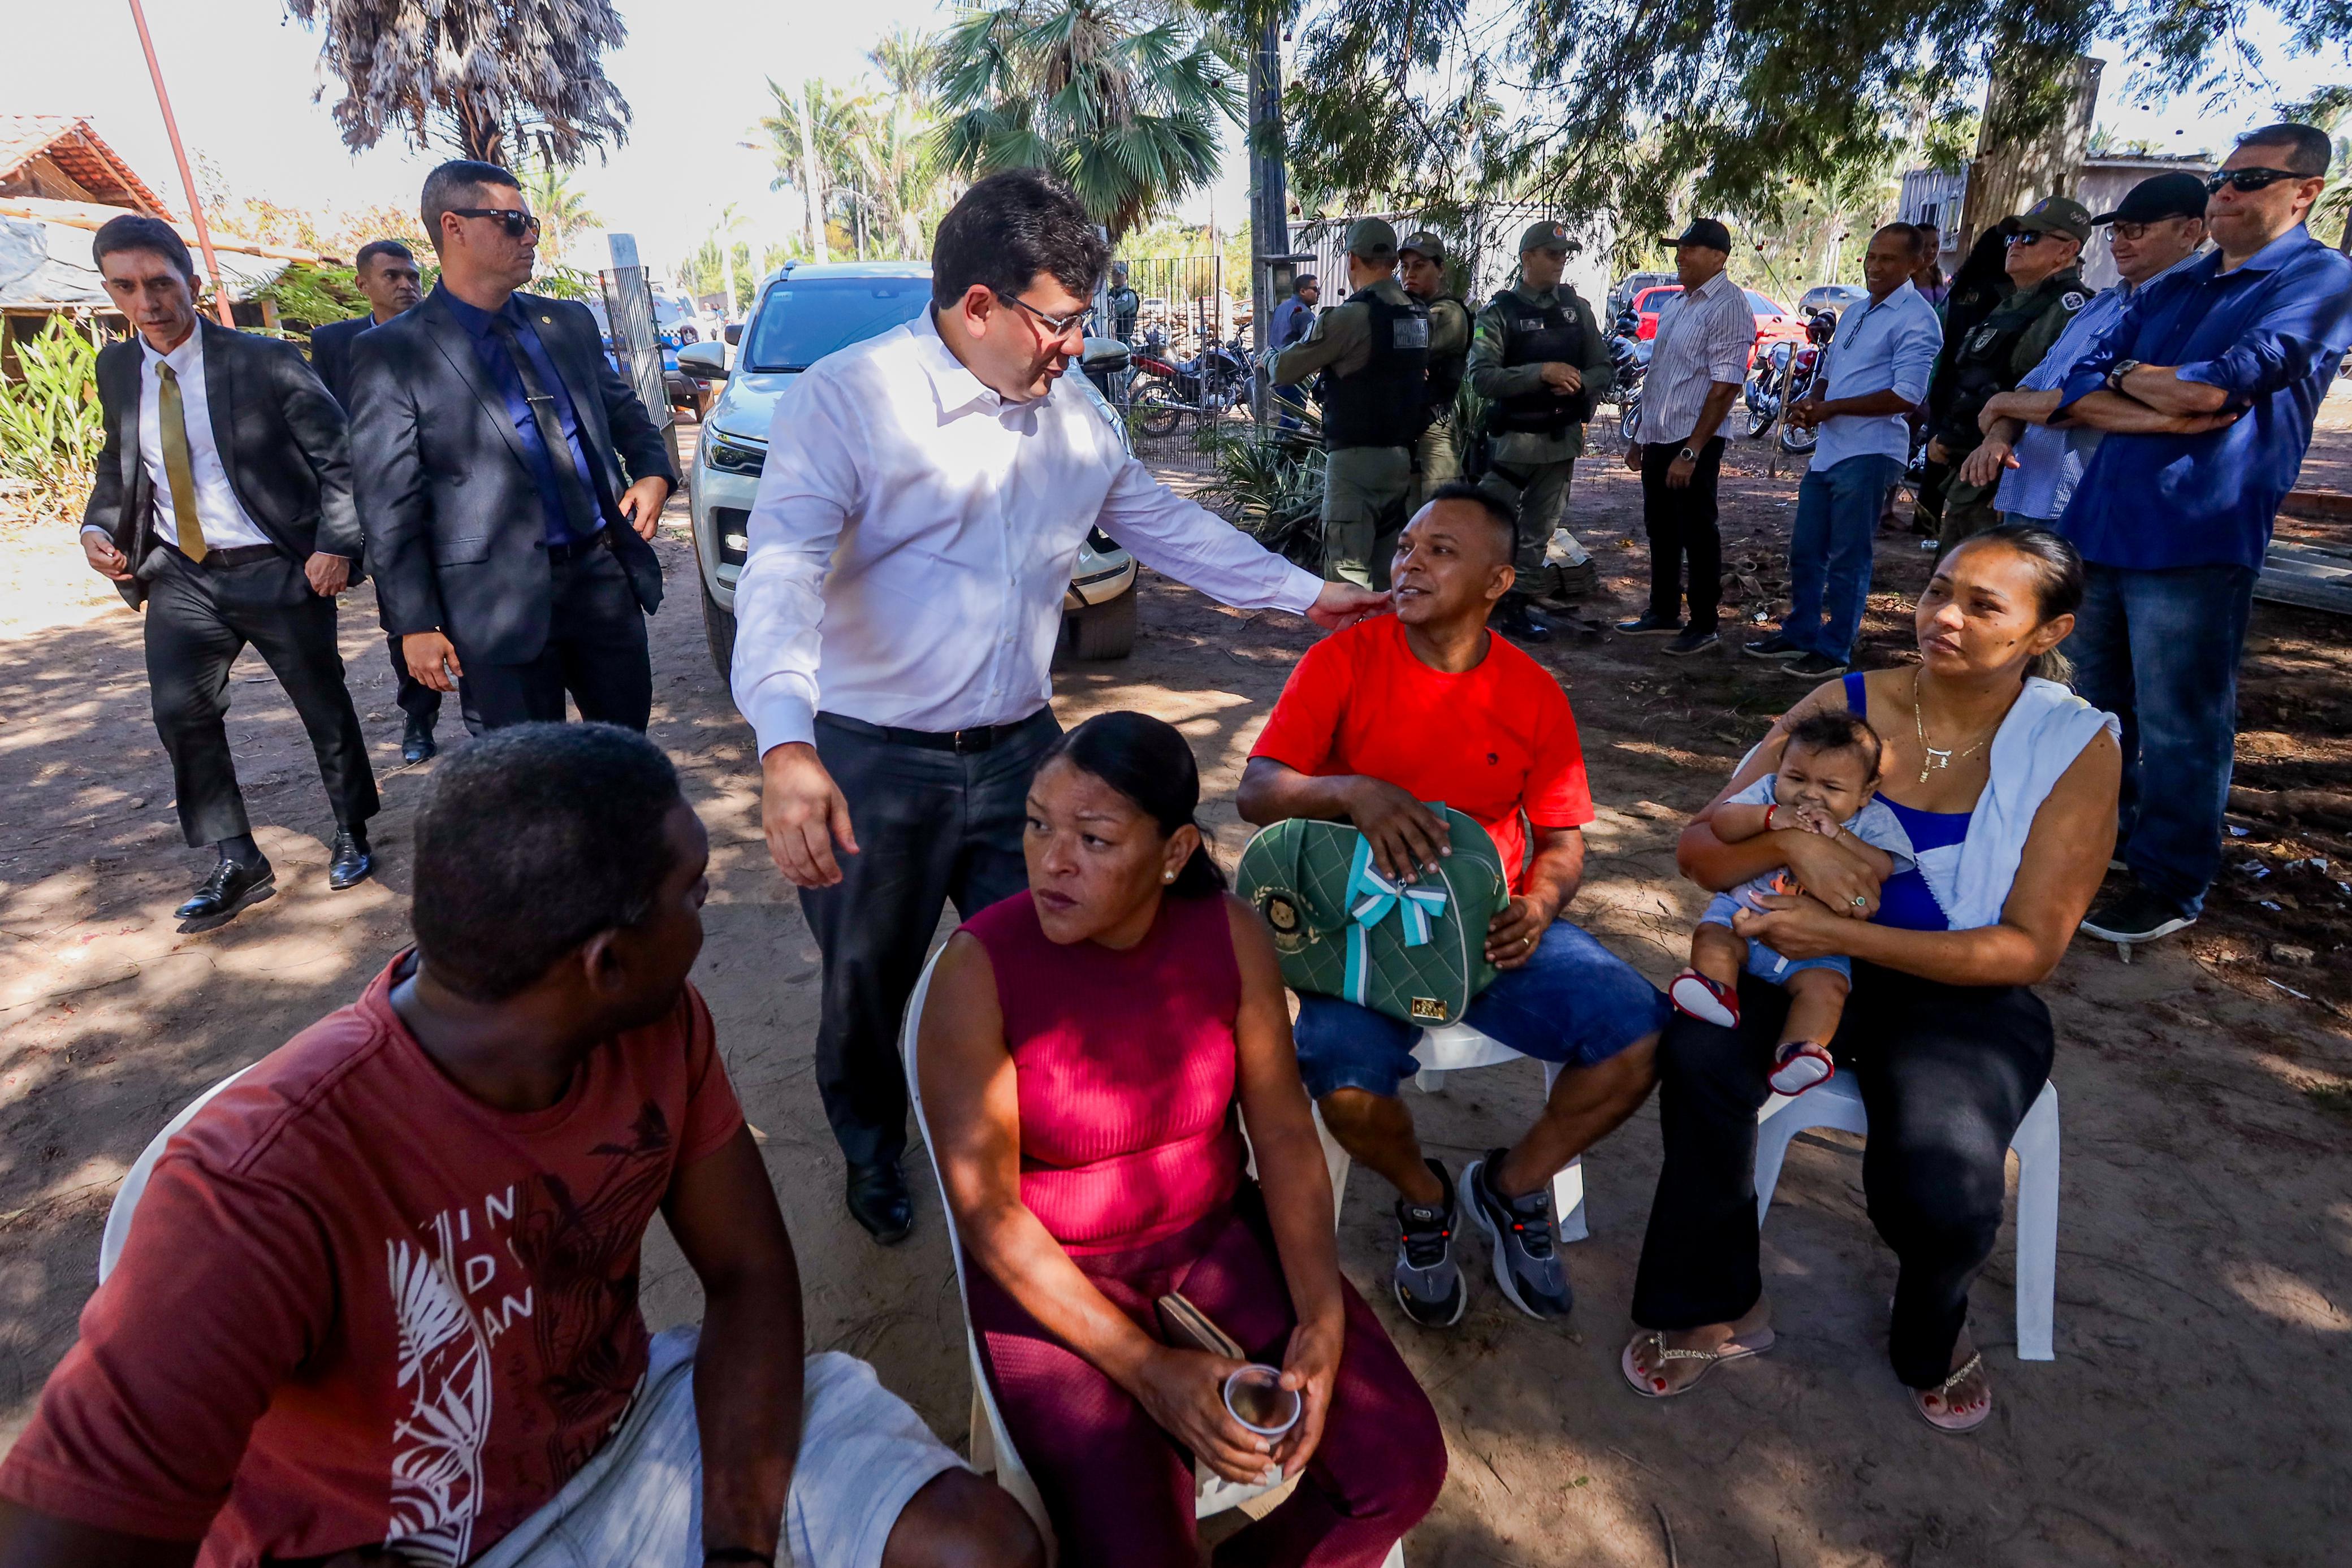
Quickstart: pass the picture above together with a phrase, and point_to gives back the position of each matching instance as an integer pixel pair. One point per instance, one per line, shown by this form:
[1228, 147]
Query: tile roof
[81, 153]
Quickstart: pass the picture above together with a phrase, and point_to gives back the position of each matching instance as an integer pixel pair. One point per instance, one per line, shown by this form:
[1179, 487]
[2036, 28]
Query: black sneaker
[1779, 646]
[1696, 640]
[1814, 667]
[1427, 1283]
[1515, 619]
[1648, 625]
[1521, 1240]
[2135, 914]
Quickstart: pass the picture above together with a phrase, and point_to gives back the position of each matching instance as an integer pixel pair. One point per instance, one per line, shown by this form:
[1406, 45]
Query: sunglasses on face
[516, 221]
[2029, 238]
[1056, 326]
[2247, 179]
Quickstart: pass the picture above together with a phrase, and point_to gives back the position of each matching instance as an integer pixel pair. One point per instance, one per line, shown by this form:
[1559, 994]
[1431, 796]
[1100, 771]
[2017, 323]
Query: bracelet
[1768, 810]
[739, 1554]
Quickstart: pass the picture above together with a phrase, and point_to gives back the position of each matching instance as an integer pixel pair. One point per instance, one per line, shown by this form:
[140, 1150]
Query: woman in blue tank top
[1949, 1044]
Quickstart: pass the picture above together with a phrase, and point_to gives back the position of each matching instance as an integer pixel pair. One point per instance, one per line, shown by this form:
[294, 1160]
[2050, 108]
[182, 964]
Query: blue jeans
[1573, 1002]
[1829, 551]
[2160, 650]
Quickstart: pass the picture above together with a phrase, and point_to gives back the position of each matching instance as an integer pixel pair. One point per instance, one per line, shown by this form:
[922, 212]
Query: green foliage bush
[51, 429]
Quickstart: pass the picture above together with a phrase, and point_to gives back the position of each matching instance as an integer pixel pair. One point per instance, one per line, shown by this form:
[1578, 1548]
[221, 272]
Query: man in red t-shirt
[1427, 705]
[379, 1302]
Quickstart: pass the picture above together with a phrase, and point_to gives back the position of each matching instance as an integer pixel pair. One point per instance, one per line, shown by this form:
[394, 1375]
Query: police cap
[2059, 215]
[2173, 195]
[1372, 239]
[1423, 244]
[1545, 233]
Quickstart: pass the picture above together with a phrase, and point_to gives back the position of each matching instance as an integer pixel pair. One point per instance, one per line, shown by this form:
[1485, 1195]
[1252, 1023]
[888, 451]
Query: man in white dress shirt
[924, 496]
[1697, 366]
[222, 505]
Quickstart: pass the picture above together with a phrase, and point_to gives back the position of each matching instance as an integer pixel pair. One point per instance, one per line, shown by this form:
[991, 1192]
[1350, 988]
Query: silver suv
[803, 313]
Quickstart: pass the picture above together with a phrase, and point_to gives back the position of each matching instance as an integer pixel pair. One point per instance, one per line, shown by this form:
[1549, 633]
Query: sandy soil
[2197, 1413]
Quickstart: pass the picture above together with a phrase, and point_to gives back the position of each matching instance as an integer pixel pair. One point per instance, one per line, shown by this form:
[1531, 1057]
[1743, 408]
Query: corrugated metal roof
[81, 153]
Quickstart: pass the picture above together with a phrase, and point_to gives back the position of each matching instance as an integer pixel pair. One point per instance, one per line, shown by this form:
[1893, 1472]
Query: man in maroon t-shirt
[379, 1303]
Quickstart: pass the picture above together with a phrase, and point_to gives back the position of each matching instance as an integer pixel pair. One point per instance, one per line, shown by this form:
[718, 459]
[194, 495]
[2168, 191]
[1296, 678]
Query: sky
[245, 81]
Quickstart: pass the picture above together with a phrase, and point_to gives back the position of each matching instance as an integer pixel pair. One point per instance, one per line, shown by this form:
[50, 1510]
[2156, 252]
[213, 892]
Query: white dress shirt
[1703, 337]
[220, 514]
[1881, 345]
[914, 533]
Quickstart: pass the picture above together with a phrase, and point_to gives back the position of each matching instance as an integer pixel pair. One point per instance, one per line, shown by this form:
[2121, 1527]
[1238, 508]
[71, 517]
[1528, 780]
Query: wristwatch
[1687, 456]
[2123, 368]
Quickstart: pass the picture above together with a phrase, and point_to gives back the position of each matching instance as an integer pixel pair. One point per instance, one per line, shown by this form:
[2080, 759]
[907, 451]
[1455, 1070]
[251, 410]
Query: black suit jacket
[330, 354]
[455, 526]
[281, 437]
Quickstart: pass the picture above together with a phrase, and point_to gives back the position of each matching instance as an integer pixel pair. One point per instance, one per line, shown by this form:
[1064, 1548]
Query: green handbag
[1416, 952]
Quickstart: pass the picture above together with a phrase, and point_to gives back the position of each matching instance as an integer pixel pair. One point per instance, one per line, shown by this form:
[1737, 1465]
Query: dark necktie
[578, 506]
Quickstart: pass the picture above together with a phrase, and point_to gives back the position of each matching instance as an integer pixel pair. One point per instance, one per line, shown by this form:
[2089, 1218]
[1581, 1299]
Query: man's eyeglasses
[1056, 326]
[516, 221]
[2134, 233]
[2249, 178]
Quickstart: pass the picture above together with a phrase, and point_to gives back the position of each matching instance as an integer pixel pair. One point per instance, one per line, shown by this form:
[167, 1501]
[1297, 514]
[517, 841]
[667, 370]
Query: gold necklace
[1934, 759]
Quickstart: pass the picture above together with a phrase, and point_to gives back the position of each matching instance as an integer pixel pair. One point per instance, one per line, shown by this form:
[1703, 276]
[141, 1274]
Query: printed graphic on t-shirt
[530, 1257]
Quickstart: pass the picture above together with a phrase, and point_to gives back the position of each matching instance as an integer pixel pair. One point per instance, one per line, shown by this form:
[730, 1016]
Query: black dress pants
[595, 651]
[1681, 523]
[417, 700]
[1947, 1073]
[932, 826]
[199, 619]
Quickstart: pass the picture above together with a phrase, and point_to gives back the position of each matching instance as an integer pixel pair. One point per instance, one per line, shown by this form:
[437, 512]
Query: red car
[1773, 323]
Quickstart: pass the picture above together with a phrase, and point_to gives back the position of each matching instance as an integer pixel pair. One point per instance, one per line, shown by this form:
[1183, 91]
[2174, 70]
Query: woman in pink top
[1084, 1049]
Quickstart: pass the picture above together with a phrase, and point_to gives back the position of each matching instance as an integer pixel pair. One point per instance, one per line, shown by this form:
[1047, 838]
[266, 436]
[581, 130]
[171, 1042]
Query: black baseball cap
[1706, 232]
[2176, 196]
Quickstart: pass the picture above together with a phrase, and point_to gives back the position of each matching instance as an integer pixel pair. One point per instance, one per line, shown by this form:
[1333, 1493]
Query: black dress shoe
[349, 862]
[232, 885]
[1516, 620]
[416, 743]
[878, 1201]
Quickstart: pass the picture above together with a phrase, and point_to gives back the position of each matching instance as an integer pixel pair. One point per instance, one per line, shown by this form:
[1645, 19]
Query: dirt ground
[2200, 1411]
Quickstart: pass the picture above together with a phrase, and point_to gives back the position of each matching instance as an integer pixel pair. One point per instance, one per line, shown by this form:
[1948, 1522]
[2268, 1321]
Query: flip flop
[1645, 1384]
[1951, 1420]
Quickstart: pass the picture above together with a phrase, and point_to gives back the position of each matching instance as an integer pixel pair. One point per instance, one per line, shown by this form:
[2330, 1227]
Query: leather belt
[234, 555]
[960, 741]
[575, 549]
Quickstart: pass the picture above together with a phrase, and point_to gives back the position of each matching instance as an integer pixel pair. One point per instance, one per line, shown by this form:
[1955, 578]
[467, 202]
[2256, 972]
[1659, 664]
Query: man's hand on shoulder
[642, 503]
[803, 814]
[1341, 604]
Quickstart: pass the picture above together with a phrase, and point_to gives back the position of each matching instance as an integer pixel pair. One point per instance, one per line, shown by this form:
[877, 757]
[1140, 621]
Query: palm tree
[904, 183]
[476, 75]
[1121, 97]
[563, 209]
[814, 130]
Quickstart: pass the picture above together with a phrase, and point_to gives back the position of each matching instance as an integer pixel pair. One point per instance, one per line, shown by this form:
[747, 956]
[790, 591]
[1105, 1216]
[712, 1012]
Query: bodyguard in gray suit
[510, 478]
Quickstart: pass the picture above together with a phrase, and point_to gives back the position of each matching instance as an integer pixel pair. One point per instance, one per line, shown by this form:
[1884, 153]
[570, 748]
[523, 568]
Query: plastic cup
[1255, 1397]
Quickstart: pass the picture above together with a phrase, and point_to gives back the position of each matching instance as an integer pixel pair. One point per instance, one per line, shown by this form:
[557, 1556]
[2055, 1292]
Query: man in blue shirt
[2161, 225]
[2206, 388]
[1880, 362]
[1292, 318]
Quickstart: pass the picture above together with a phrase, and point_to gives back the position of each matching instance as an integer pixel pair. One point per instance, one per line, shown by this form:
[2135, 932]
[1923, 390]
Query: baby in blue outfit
[1826, 785]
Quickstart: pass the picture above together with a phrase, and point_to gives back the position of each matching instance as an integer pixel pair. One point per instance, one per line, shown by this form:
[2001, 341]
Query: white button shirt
[914, 533]
[219, 513]
[1881, 345]
[1703, 337]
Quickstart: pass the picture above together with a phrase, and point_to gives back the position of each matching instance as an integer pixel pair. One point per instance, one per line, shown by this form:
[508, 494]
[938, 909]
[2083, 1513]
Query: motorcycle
[1630, 359]
[1784, 376]
[1165, 390]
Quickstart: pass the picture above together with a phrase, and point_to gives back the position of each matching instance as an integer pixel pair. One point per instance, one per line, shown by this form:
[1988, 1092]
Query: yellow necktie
[176, 467]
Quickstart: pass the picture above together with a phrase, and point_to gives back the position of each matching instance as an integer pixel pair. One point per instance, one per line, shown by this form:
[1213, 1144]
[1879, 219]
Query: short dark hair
[133, 231]
[2307, 146]
[1831, 731]
[376, 248]
[532, 841]
[1010, 227]
[1305, 280]
[455, 184]
[1497, 510]
[1148, 760]
[1909, 234]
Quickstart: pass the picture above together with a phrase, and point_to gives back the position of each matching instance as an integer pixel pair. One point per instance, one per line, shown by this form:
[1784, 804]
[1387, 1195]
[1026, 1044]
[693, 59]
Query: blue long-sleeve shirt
[2270, 333]
[497, 364]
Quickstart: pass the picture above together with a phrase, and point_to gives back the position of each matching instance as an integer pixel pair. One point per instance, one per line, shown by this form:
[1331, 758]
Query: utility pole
[808, 178]
[1269, 189]
[187, 181]
[2009, 173]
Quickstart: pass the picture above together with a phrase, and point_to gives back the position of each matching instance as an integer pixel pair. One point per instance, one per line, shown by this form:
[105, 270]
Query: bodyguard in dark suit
[223, 506]
[387, 275]
[510, 478]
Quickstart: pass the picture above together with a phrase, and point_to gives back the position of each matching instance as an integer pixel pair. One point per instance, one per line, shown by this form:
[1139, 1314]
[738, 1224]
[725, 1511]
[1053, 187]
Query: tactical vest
[1446, 374]
[1536, 336]
[1382, 404]
[1982, 368]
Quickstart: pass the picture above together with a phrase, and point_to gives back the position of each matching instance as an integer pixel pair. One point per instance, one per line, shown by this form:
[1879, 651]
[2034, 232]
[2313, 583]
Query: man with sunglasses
[1999, 351]
[508, 477]
[924, 495]
[2207, 388]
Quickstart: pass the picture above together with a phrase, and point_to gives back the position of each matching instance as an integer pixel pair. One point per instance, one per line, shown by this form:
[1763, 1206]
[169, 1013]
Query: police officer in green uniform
[2042, 262]
[1373, 353]
[1436, 455]
[1539, 359]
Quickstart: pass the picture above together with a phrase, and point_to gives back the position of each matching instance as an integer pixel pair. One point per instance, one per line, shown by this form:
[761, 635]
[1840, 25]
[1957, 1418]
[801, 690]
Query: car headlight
[733, 458]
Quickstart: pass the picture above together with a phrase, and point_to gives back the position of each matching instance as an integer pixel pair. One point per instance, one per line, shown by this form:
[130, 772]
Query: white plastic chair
[992, 1445]
[134, 1186]
[1838, 1103]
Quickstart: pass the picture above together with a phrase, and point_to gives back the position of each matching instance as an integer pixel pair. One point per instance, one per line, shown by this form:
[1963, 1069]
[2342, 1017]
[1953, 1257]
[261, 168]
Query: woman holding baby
[2004, 783]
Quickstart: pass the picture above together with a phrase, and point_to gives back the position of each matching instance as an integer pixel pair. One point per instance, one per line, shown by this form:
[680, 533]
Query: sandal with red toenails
[1940, 1410]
